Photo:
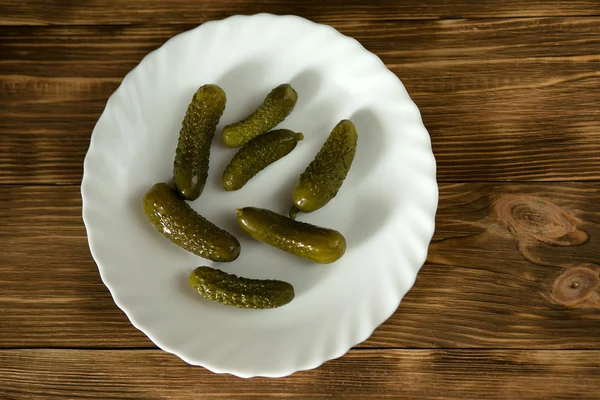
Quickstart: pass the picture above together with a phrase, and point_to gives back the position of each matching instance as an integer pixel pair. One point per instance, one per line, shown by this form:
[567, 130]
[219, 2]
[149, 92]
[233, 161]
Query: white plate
[385, 208]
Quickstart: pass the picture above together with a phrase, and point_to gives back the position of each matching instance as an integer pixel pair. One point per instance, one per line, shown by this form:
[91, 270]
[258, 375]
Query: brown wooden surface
[361, 374]
[507, 305]
[488, 294]
[92, 12]
[512, 101]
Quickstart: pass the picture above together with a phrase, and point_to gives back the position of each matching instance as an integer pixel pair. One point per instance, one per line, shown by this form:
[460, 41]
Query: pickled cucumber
[240, 292]
[324, 176]
[178, 222]
[257, 154]
[196, 135]
[277, 105]
[318, 244]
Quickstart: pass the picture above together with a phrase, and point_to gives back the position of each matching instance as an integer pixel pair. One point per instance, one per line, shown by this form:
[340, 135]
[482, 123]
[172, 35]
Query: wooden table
[507, 305]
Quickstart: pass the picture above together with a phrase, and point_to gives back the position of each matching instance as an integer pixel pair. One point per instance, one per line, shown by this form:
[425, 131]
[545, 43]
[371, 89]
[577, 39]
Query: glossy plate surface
[385, 208]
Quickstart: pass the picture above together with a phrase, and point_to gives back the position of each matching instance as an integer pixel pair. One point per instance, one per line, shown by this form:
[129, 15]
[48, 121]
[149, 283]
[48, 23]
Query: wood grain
[507, 305]
[369, 374]
[519, 92]
[481, 287]
[36, 12]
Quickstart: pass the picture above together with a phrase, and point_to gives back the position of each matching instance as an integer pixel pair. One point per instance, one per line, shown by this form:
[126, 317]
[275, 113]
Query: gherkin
[178, 222]
[240, 292]
[197, 131]
[277, 105]
[304, 240]
[257, 154]
[324, 176]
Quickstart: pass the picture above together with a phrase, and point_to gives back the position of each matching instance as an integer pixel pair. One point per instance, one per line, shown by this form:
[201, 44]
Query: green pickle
[257, 154]
[323, 177]
[232, 290]
[304, 240]
[178, 222]
[277, 105]
[197, 131]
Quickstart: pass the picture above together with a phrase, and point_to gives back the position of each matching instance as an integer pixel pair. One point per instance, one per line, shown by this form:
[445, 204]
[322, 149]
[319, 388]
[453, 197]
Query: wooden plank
[371, 374]
[526, 109]
[499, 273]
[37, 12]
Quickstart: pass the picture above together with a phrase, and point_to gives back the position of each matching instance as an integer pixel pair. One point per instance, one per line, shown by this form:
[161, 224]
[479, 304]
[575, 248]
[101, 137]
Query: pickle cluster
[166, 208]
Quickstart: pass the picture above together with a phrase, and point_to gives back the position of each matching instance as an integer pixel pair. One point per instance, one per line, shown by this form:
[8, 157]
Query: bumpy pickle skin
[277, 105]
[195, 137]
[258, 154]
[179, 223]
[324, 176]
[312, 242]
[231, 290]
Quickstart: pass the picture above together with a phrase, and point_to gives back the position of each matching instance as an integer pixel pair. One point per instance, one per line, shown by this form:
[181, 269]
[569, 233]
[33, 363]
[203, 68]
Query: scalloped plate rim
[112, 289]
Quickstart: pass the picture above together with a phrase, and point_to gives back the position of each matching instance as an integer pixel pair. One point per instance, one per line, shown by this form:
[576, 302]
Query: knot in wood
[575, 285]
[532, 217]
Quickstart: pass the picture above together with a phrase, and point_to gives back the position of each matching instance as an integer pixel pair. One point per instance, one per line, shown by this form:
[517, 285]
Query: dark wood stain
[507, 305]
[15, 12]
[476, 290]
[366, 374]
[503, 99]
